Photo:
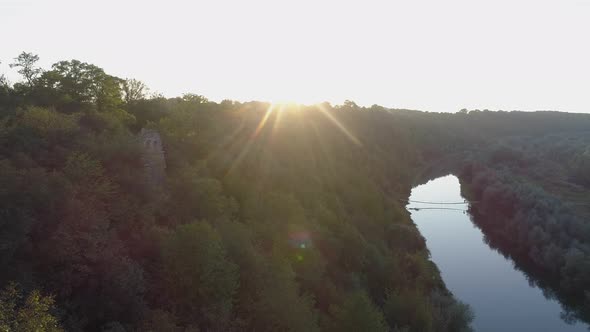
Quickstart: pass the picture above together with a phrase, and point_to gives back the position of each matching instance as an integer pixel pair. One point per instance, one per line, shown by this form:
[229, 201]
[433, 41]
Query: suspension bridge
[439, 205]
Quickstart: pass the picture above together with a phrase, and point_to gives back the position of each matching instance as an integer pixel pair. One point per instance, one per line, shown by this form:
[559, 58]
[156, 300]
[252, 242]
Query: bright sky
[429, 55]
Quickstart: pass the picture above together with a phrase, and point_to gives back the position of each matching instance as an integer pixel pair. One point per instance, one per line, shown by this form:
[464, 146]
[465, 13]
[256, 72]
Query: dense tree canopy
[271, 218]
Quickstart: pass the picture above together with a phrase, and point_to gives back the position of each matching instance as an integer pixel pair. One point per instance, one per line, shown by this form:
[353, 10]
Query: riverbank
[498, 222]
[475, 272]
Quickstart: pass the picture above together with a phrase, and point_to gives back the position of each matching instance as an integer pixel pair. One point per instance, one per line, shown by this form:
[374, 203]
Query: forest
[270, 217]
[533, 204]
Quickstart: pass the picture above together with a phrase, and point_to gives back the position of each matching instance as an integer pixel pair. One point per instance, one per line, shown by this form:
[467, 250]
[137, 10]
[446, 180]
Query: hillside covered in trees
[534, 206]
[270, 218]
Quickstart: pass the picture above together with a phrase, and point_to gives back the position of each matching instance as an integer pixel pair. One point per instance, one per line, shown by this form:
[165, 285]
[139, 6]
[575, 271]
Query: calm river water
[500, 296]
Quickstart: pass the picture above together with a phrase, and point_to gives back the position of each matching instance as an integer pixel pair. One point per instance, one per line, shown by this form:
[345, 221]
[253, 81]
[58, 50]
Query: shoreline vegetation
[270, 217]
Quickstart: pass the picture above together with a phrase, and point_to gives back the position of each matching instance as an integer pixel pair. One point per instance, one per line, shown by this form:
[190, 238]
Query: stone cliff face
[153, 157]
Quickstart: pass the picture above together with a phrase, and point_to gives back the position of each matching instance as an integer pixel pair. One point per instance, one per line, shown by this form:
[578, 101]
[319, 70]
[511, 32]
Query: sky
[438, 56]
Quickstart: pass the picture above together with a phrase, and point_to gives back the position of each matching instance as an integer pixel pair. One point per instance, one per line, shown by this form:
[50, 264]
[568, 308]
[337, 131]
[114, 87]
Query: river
[501, 297]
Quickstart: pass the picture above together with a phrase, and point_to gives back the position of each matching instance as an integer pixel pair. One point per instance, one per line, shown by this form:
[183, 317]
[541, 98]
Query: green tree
[195, 197]
[74, 84]
[133, 90]
[276, 303]
[194, 98]
[357, 313]
[48, 123]
[3, 81]
[201, 278]
[408, 309]
[26, 64]
[31, 313]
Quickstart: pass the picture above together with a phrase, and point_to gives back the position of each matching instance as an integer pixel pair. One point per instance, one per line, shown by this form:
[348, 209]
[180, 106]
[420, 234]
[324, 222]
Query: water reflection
[503, 298]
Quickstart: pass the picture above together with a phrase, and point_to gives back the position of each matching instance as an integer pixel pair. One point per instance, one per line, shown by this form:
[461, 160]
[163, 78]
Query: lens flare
[300, 239]
[340, 126]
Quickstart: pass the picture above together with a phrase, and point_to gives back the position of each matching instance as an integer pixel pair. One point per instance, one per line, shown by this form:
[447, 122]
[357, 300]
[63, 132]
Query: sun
[281, 105]
[287, 102]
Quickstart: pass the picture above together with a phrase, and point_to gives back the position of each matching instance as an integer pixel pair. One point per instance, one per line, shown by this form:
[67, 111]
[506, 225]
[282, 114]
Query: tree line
[272, 217]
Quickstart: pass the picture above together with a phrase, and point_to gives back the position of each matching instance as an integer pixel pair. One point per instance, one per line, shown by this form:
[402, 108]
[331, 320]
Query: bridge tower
[153, 157]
